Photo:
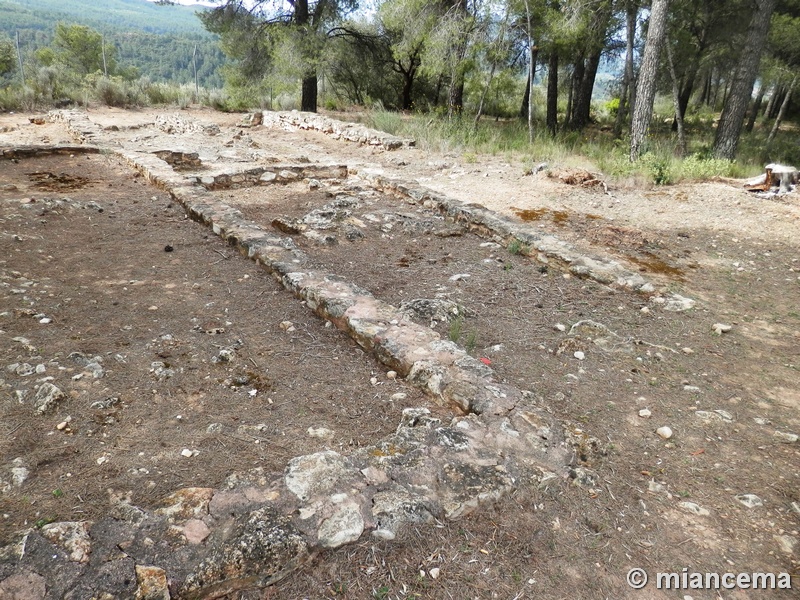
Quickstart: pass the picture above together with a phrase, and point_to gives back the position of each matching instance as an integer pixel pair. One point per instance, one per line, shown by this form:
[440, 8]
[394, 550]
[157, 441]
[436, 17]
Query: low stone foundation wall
[338, 130]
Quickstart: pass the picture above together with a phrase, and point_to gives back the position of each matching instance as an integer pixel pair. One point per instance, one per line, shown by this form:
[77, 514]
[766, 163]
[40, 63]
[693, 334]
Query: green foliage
[7, 56]
[699, 168]
[82, 50]
[517, 247]
[455, 329]
[612, 107]
[115, 91]
[659, 167]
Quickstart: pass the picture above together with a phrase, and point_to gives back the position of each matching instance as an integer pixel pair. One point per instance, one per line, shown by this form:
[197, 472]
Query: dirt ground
[199, 350]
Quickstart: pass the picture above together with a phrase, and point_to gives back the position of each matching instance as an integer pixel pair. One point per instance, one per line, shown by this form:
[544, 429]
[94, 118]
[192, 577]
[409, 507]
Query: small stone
[720, 328]
[786, 438]
[288, 326]
[391, 374]
[45, 321]
[786, 543]
[579, 355]
[678, 303]
[645, 310]
[434, 573]
[73, 536]
[47, 396]
[187, 453]
[694, 509]
[399, 396]
[19, 474]
[644, 413]
[655, 488]
[664, 432]
[560, 327]
[322, 433]
[459, 276]
[691, 388]
[41, 369]
[343, 527]
[102, 460]
[687, 350]
[62, 426]
[153, 584]
[750, 500]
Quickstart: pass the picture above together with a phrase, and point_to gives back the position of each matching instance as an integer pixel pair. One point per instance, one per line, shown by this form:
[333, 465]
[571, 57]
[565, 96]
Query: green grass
[594, 149]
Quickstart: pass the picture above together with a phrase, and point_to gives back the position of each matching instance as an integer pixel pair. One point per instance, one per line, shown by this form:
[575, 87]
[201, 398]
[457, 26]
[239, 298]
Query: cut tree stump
[775, 175]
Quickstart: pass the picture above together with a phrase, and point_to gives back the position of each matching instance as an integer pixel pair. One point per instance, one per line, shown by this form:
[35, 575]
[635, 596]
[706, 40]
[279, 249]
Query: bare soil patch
[196, 349]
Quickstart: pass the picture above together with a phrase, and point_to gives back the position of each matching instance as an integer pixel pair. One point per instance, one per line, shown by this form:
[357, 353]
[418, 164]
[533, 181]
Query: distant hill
[158, 40]
[128, 15]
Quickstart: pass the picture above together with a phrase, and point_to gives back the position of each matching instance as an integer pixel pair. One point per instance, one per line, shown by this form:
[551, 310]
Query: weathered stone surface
[187, 503]
[152, 583]
[317, 474]
[258, 551]
[73, 536]
[47, 396]
[24, 585]
[343, 527]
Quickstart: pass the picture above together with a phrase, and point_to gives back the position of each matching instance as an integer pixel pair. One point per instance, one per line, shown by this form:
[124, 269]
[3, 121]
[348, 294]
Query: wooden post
[103, 47]
[196, 85]
[19, 58]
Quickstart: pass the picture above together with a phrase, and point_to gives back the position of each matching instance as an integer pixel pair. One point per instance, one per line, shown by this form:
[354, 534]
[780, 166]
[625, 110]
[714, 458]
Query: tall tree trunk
[782, 112]
[455, 100]
[552, 92]
[526, 95]
[730, 123]
[756, 108]
[574, 89]
[308, 101]
[523, 109]
[646, 87]
[583, 101]
[676, 97]
[627, 79]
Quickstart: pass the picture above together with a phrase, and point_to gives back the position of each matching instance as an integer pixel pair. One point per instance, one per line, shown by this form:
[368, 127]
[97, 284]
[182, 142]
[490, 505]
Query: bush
[115, 91]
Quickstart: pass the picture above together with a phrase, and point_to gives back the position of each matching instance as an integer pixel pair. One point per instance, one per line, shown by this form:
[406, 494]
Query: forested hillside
[157, 40]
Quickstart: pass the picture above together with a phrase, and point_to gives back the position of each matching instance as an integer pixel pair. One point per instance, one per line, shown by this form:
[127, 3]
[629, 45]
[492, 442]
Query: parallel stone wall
[350, 132]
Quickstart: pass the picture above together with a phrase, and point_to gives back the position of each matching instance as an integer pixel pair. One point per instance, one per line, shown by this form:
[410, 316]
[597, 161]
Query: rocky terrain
[279, 355]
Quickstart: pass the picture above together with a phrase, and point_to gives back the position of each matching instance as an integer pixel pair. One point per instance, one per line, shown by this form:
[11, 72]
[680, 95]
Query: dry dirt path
[731, 398]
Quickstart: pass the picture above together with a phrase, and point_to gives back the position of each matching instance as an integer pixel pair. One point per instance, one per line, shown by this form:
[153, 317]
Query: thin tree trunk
[756, 108]
[780, 92]
[19, 58]
[534, 51]
[552, 92]
[646, 87]
[772, 98]
[523, 110]
[627, 78]
[455, 102]
[782, 112]
[676, 96]
[732, 119]
[500, 43]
